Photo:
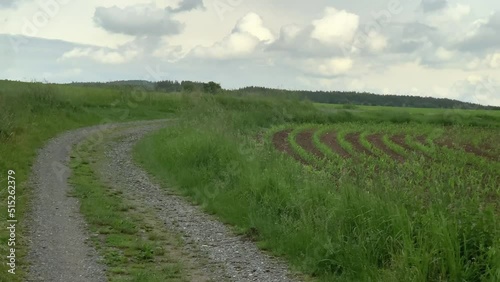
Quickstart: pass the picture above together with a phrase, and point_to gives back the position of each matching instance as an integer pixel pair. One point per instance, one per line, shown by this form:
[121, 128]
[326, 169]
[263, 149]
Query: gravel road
[59, 249]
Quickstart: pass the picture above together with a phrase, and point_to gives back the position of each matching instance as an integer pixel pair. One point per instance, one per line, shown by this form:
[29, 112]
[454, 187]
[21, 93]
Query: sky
[437, 48]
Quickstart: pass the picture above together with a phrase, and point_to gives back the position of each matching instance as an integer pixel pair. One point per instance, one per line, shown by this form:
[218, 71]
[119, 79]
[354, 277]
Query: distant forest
[328, 97]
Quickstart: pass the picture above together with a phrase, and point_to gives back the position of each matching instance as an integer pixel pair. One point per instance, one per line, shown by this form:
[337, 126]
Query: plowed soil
[330, 139]
[401, 142]
[305, 140]
[377, 141]
[353, 138]
[280, 141]
[422, 139]
[469, 148]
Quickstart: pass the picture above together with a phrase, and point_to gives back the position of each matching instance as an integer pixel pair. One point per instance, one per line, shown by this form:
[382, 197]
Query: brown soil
[353, 138]
[280, 141]
[330, 139]
[305, 140]
[422, 139]
[377, 141]
[400, 140]
[469, 148]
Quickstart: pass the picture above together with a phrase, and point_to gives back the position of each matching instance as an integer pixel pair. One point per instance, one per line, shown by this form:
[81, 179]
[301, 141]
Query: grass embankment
[366, 225]
[32, 113]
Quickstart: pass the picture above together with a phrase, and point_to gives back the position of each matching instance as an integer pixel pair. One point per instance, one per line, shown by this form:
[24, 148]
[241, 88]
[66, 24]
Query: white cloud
[101, 55]
[494, 60]
[489, 61]
[473, 64]
[479, 89]
[170, 53]
[474, 79]
[138, 20]
[356, 84]
[336, 34]
[483, 35]
[376, 41]
[336, 27]
[63, 74]
[253, 24]
[450, 15]
[457, 12]
[433, 5]
[185, 5]
[444, 54]
[247, 35]
[290, 32]
[443, 92]
[475, 27]
[327, 67]
[233, 46]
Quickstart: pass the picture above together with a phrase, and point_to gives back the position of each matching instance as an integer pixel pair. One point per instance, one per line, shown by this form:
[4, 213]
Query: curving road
[59, 248]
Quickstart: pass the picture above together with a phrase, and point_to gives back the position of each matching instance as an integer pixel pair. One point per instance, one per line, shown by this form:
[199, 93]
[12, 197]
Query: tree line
[365, 98]
[328, 97]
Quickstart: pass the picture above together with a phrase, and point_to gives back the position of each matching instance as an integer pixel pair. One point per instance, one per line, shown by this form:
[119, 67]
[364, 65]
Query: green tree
[212, 87]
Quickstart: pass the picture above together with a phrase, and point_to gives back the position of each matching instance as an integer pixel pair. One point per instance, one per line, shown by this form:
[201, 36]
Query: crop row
[315, 144]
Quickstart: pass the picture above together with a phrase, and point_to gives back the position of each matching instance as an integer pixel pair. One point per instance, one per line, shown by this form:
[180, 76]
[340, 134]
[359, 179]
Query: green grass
[420, 115]
[380, 221]
[129, 254]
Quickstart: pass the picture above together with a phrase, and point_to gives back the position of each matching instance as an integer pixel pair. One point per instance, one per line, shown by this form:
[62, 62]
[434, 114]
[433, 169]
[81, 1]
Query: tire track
[58, 248]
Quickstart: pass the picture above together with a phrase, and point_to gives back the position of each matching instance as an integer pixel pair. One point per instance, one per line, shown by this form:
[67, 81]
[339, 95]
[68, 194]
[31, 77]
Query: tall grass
[411, 224]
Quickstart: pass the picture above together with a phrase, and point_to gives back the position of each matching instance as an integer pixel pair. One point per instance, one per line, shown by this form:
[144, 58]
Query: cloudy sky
[439, 48]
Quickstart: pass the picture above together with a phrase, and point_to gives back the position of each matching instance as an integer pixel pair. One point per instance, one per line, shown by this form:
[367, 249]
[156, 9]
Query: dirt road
[59, 247]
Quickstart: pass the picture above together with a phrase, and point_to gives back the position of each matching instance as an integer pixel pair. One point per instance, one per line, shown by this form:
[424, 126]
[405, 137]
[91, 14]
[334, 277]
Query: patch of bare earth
[400, 140]
[469, 148]
[305, 140]
[377, 141]
[422, 139]
[280, 142]
[353, 138]
[330, 139]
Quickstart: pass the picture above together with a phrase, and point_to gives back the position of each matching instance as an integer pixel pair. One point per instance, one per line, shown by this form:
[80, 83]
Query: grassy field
[418, 115]
[429, 214]
[408, 201]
